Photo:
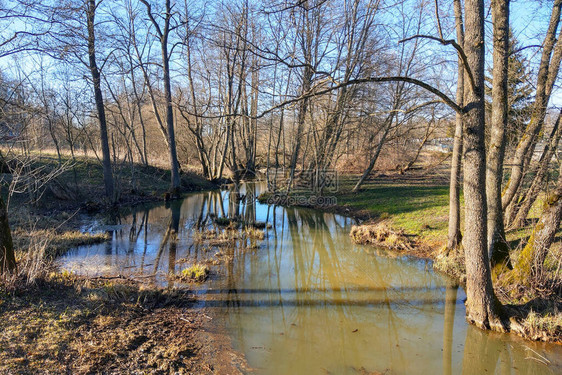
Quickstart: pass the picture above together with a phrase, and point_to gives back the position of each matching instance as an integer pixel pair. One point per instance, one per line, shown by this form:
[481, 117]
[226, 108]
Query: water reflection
[308, 300]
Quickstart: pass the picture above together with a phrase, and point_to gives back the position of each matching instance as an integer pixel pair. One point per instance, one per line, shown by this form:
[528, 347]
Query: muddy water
[307, 300]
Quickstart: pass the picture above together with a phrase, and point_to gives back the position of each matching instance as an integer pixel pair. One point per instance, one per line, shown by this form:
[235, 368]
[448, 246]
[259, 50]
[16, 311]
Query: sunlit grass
[197, 273]
[418, 209]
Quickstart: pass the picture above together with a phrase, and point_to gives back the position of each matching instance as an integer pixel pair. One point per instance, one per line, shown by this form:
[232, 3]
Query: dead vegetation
[65, 324]
[55, 242]
[380, 234]
[248, 237]
[451, 264]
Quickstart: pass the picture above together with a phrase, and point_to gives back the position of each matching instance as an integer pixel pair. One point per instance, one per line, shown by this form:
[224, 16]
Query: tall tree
[163, 34]
[497, 245]
[482, 307]
[91, 7]
[308, 25]
[540, 171]
[548, 71]
[454, 235]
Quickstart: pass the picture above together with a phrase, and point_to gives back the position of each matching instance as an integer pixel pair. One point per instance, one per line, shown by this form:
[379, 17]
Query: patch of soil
[110, 326]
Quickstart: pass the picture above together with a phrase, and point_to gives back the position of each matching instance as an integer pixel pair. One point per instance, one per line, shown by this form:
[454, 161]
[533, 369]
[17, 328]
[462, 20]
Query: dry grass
[80, 326]
[452, 265]
[381, 234]
[230, 237]
[546, 326]
[55, 243]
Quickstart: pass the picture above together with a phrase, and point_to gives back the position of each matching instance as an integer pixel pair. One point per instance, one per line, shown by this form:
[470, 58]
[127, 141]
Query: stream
[307, 300]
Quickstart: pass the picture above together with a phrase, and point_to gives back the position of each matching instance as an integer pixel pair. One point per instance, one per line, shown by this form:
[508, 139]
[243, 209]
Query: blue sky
[529, 20]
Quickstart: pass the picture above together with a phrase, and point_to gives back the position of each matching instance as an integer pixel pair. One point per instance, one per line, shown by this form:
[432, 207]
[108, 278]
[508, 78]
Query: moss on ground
[196, 272]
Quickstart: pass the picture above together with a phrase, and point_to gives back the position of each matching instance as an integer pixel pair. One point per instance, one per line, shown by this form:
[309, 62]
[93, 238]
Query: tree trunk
[455, 235]
[530, 263]
[7, 257]
[96, 78]
[169, 133]
[369, 169]
[540, 174]
[548, 70]
[307, 44]
[175, 183]
[174, 165]
[497, 246]
[482, 307]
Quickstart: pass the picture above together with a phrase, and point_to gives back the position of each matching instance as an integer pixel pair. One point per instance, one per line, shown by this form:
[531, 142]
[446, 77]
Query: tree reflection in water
[309, 294]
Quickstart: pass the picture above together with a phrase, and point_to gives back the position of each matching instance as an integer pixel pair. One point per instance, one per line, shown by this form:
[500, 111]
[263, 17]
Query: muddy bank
[65, 324]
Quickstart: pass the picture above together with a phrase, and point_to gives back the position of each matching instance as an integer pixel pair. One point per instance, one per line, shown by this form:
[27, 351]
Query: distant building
[444, 145]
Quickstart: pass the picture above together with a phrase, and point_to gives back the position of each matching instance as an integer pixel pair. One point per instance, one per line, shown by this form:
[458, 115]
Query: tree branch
[315, 92]
[453, 43]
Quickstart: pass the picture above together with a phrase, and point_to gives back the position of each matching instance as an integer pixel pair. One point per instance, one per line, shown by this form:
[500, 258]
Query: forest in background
[233, 89]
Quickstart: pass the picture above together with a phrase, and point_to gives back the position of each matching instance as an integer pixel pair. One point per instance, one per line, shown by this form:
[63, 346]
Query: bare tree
[482, 306]
[540, 172]
[497, 245]
[454, 233]
[91, 7]
[163, 34]
[548, 71]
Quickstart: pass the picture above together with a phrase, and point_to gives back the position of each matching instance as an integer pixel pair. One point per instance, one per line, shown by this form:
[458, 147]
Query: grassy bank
[420, 210]
[68, 191]
[73, 183]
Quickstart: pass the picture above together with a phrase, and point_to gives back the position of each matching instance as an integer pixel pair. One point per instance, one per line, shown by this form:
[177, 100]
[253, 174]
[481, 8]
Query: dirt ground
[110, 326]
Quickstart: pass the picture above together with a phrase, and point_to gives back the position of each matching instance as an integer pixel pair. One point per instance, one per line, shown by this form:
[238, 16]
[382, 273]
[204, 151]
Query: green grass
[419, 210]
[197, 273]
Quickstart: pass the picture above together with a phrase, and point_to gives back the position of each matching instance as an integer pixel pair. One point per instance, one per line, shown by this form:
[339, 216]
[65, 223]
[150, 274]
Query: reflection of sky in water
[309, 301]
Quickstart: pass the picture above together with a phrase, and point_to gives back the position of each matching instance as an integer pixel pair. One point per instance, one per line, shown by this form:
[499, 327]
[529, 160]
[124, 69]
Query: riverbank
[71, 193]
[57, 322]
[413, 205]
[408, 215]
[65, 324]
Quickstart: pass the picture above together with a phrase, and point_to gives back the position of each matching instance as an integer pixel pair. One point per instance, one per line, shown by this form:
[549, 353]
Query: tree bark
[497, 246]
[174, 165]
[7, 256]
[96, 78]
[163, 34]
[482, 306]
[454, 233]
